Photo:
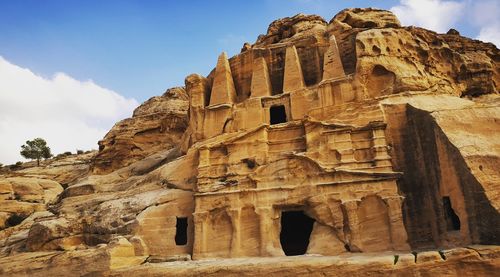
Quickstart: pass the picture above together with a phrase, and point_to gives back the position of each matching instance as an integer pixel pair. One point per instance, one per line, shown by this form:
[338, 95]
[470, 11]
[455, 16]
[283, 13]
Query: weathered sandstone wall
[364, 147]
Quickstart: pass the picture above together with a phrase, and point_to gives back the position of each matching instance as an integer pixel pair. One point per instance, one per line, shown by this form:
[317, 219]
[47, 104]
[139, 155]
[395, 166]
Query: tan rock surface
[292, 28]
[22, 196]
[363, 147]
[352, 265]
[156, 125]
[457, 140]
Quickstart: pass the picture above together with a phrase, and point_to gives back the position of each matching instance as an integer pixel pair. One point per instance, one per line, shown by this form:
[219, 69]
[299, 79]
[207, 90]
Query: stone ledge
[430, 263]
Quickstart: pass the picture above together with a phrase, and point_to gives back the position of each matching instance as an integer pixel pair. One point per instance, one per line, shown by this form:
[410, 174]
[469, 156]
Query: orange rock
[359, 146]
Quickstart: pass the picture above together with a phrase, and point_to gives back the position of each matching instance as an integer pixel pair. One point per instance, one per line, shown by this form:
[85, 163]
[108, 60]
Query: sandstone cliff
[156, 125]
[363, 135]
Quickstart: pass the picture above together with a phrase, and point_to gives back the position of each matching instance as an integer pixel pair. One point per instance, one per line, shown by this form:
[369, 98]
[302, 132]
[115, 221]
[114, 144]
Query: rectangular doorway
[296, 228]
[181, 231]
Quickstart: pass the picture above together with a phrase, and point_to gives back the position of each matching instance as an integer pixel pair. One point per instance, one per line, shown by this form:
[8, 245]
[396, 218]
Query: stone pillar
[337, 217]
[293, 79]
[343, 144]
[223, 90]
[332, 64]
[200, 220]
[399, 237]
[268, 236]
[235, 215]
[380, 144]
[253, 115]
[196, 87]
[351, 208]
[261, 83]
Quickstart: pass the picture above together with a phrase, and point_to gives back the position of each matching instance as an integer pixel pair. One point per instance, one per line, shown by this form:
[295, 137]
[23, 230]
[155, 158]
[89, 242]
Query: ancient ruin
[330, 140]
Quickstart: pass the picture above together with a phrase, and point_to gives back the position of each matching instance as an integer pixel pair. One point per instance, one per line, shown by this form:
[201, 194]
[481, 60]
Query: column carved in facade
[398, 232]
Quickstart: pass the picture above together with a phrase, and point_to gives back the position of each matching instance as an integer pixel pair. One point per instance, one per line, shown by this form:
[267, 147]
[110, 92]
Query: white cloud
[68, 113]
[490, 34]
[436, 15]
[485, 15]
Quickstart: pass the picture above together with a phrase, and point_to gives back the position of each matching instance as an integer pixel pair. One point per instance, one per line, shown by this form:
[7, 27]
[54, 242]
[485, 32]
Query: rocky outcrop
[20, 197]
[291, 29]
[115, 260]
[31, 189]
[390, 59]
[331, 141]
[451, 182]
[156, 125]
[411, 59]
[26, 196]
[64, 169]
[349, 22]
[140, 200]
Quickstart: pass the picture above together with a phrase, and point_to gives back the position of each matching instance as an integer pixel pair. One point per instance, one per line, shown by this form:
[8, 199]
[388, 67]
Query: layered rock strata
[342, 140]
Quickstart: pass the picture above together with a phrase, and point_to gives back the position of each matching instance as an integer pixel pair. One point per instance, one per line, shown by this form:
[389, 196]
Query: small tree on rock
[36, 149]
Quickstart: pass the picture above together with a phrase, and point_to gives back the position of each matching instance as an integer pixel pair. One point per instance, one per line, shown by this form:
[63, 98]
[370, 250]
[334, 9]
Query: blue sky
[140, 48]
[132, 50]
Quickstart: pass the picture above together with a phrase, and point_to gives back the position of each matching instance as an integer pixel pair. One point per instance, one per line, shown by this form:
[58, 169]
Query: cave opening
[296, 228]
[15, 219]
[452, 219]
[181, 231]
[277, 114]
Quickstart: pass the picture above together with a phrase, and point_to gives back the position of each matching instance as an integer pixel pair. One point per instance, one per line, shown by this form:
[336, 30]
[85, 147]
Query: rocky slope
[26, 191]
[157, 124]
[113, 212]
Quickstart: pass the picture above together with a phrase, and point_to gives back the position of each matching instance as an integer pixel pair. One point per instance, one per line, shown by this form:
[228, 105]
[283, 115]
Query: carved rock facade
[340, 139]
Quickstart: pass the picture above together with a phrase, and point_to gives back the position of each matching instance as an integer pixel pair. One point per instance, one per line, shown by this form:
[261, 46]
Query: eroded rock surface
[155, 125]
[360, 145]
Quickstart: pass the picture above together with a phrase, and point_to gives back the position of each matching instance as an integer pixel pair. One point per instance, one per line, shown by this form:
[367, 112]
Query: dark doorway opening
[296, 228]
[277, 114]
[452, 219]
[181, 231]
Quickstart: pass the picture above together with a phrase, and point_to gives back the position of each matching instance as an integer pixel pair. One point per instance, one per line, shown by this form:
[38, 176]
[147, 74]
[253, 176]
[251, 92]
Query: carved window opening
[181, 231]
[277, 114]
[452, 219]
[296, 228]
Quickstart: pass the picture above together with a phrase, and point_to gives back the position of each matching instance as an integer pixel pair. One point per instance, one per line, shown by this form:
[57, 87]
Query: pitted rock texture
[292, 28]
[155, 125]
[362, 146]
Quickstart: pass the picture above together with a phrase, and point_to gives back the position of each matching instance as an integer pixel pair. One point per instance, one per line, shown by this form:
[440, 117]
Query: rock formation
[156, 125]
[337, 140]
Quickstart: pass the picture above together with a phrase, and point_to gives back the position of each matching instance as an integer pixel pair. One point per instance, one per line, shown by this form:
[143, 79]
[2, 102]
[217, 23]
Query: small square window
[277, 114]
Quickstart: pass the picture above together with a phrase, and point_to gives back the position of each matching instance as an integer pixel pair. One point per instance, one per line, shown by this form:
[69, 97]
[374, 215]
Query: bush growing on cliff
[63, 155]
[36, 149]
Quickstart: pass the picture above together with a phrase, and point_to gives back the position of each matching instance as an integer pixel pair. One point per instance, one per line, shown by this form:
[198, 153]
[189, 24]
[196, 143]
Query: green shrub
[15, 166]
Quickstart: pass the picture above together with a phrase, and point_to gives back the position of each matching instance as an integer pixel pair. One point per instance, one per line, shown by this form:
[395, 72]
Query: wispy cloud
[436, 15]
[68, 113]
[486, 15]
[441, 15]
